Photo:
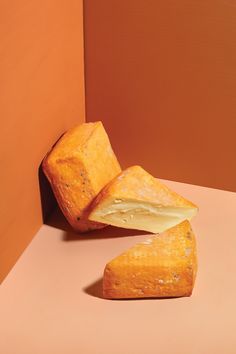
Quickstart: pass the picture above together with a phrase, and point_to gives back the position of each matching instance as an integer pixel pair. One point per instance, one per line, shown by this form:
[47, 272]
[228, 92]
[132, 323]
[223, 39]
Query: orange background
[162, 77]
[42, 94]
[160, 74]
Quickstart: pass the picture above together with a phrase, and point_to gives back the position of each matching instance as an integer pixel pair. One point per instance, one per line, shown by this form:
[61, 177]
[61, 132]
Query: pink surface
[50, 302]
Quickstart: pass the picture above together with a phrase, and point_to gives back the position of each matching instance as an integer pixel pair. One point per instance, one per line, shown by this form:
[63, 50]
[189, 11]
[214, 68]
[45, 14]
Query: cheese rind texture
[80, 164]
[164, 265]
[137, 200]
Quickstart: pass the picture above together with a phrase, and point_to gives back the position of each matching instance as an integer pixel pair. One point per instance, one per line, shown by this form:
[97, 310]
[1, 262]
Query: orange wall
[162, 77]
[41, 95]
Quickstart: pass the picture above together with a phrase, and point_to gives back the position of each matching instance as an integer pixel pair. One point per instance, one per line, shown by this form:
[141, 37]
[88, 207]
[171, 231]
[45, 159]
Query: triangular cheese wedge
[163, 266]
[136, 200]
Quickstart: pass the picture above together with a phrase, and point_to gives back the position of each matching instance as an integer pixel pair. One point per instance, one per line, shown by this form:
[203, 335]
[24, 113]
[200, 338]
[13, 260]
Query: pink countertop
[51, 300]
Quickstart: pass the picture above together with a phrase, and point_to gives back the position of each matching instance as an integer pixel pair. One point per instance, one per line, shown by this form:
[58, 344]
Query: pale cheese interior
[141, 215]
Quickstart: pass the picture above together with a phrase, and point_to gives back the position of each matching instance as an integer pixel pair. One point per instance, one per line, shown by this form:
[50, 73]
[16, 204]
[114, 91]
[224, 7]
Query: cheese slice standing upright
[80, 164]
[164, 265]
[136, 200]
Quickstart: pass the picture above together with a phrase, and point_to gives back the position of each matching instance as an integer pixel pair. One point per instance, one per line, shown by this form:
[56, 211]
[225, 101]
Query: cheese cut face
[80, 164]
[164, 265]
[137, 200]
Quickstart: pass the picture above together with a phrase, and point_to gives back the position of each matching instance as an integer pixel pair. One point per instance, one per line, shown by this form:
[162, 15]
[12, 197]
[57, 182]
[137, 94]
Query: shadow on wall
[48, 201]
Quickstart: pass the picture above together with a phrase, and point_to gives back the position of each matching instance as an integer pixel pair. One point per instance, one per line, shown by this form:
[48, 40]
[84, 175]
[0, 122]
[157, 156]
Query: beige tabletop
[51, 301]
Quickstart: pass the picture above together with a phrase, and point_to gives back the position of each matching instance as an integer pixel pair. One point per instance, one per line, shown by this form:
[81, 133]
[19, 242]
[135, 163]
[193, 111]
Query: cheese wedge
[80, 164]
[164, 265]
[137, 200]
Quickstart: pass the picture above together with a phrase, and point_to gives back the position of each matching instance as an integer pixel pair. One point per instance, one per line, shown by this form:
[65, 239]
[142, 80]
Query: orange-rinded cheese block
[164, 265]
[136, 200]
[80, 164]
